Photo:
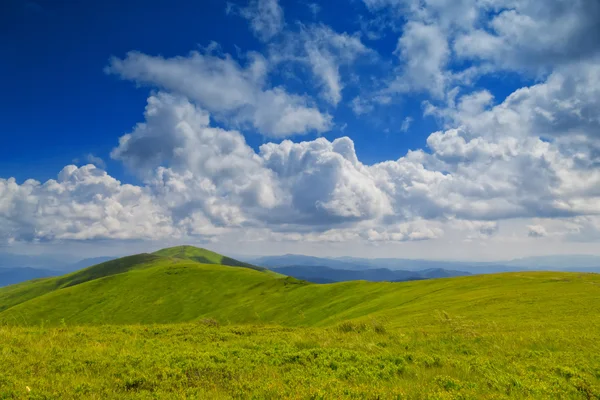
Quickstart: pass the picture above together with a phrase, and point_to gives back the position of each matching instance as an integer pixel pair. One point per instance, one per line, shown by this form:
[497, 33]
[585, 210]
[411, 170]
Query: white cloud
[424, 52]
[325, 181]
[206, 181]
[83, 203]
[533, 157]
[536, 231]
[325, 52]
[523, 35]
[265, 17]
[406, 124]
[446, 43]
[234, 94]
[361, 106]
[97, 161]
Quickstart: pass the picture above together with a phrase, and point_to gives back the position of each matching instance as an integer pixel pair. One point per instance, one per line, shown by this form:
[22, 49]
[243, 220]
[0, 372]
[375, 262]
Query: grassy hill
[203, 256]
[154, 288]
[163, 325]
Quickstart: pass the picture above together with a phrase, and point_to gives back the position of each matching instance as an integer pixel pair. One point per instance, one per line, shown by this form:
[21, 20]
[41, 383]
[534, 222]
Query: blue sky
[57, 53]
[387, 126]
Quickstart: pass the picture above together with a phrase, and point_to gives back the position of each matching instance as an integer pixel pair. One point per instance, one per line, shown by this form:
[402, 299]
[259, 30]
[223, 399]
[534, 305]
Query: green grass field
[166, 326]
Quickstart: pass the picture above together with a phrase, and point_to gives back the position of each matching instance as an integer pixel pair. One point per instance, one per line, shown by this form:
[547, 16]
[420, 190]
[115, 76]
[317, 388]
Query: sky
[438, 129]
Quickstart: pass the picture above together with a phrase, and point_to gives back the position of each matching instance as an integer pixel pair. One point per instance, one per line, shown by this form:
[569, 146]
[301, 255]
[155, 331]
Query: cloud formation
[265, 17]
[532, 157]
[236, 95]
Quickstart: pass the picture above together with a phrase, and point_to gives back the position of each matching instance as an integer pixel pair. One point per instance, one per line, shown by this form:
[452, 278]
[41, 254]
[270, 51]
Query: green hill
[20, 293]
[203, 256]
[165, 287]
[163, 325]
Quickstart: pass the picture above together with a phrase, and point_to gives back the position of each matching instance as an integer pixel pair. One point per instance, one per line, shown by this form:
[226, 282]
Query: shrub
[350, 326]
[210, 322]
[378, 326]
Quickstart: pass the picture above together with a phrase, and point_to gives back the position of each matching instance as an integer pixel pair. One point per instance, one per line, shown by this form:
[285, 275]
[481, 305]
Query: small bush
[210, 322]
[350, 326]
[378, 326]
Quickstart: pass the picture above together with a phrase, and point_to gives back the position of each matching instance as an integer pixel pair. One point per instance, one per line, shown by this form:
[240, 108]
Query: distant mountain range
[572, 263]
[19, 268]
[15, 268]
[308, 261]
[10, 276]
[320, 274]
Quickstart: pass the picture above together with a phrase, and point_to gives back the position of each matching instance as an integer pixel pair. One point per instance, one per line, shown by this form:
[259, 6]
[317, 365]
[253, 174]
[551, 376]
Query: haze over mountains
[575, 263]
[15, 268]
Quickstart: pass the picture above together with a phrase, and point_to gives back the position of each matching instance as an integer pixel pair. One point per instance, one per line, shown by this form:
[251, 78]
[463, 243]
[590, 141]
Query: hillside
[117, 329]
[150, 288]
[16, 294]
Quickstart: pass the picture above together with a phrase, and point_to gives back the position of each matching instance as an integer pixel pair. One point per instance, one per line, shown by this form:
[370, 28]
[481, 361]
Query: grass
[165, 326]
[204, 256]
[444, 360]
[183, 291]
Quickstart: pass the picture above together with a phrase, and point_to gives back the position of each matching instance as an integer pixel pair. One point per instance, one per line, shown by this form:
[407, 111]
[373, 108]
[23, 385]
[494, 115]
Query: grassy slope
[180, 290]
[204, 256]
[22, 292]
[516, 335]
[12, 295]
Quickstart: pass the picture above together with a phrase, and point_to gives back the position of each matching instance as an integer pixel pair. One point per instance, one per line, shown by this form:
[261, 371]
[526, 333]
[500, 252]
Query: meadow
[151, 327]
[454, 358]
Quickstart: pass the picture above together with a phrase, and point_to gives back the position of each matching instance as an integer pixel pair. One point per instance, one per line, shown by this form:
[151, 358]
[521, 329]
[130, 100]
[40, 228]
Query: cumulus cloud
[533, 156]
[523, 35]
[83, 203]
[424, 52]
[203, 180]
[234, 94]
[446, 44]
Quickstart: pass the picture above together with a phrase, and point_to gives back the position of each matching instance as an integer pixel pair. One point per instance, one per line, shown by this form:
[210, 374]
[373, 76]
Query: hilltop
[204, 256]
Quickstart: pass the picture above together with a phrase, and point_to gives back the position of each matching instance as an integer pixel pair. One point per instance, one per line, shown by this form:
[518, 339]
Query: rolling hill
[169, 286]
[204, 256]
[164, 325]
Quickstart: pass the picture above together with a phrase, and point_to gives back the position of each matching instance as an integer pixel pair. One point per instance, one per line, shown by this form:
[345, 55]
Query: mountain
[154, 288]
[288, 260]
[582, 263]
[361, 264]
[472, 267]
[320, 274]
[87, 262]
[10, 276]
[573, 263]
[51, 262]
[21, 272]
